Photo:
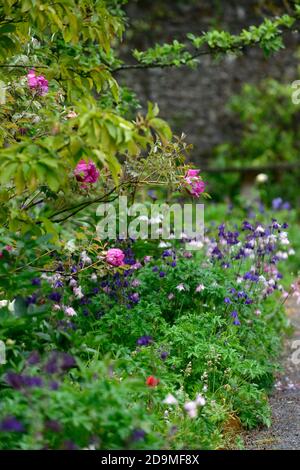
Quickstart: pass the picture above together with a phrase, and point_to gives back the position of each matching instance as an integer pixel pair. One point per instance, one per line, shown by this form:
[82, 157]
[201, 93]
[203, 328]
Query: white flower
[200, 400]
[262, 279]
[194, 244]
[70, 312]
[78, 292]
[261, 178]
[170, 400]
[8, 304]
[200, 288]
[70, 246]
[56, 307]
[73, 282]
[259, 229]
[180, 287]
[191, 409]
[164, 245]
[85, 258]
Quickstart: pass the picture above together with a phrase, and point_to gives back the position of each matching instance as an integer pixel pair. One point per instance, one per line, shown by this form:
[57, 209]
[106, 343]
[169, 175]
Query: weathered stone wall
[194, 101]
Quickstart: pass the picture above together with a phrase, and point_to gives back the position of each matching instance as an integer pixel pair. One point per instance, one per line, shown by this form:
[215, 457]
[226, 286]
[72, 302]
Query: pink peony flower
[193, 183]
[115, 257]
[86, 172]
[40, 83]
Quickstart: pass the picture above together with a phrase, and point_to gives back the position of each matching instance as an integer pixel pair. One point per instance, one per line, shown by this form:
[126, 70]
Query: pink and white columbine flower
[70, 312]
[170, 400]
[191, 409]
[115, 257]
[180, 287]
[200, 400]
[86, 172]
[193, 183]
[199, 288]
[38, 83]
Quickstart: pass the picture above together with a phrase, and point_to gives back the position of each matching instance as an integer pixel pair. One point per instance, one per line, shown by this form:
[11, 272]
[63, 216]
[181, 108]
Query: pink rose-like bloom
[115, 257]
[86, 172]
[194, 185]
[38, 83]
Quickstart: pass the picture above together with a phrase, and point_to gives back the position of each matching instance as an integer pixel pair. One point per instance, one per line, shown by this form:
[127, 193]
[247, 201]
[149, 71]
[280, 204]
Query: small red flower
[152, 381]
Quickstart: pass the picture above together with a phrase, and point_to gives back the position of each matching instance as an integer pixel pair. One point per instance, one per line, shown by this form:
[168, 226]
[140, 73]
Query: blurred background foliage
[237, 112]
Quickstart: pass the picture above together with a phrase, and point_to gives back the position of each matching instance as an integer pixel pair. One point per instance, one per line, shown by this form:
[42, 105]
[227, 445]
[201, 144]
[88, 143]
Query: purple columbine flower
[11, 424]
[54, 385]
[163, 355]
[14, 380]
[58, 284]
[241, 295]
[34, 358]
[51, 366]
[138, 435]
[36, 281]
[32, 381]
[134, 297]
[234, 314]
[31, 299]
[69, 445]
[68, 361]
[173, 264]
[286, 206]
[247, 226]
[236, 322]
[227, 300]
[55, 296]
[162, 274]
[166, 253]
[145, 340]
[277, 203]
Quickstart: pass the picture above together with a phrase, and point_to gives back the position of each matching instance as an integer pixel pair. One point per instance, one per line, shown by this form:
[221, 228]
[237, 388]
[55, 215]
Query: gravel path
[284, 432]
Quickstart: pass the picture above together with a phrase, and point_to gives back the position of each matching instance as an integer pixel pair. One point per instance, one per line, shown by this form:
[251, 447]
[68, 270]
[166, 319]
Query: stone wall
[194, 101]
